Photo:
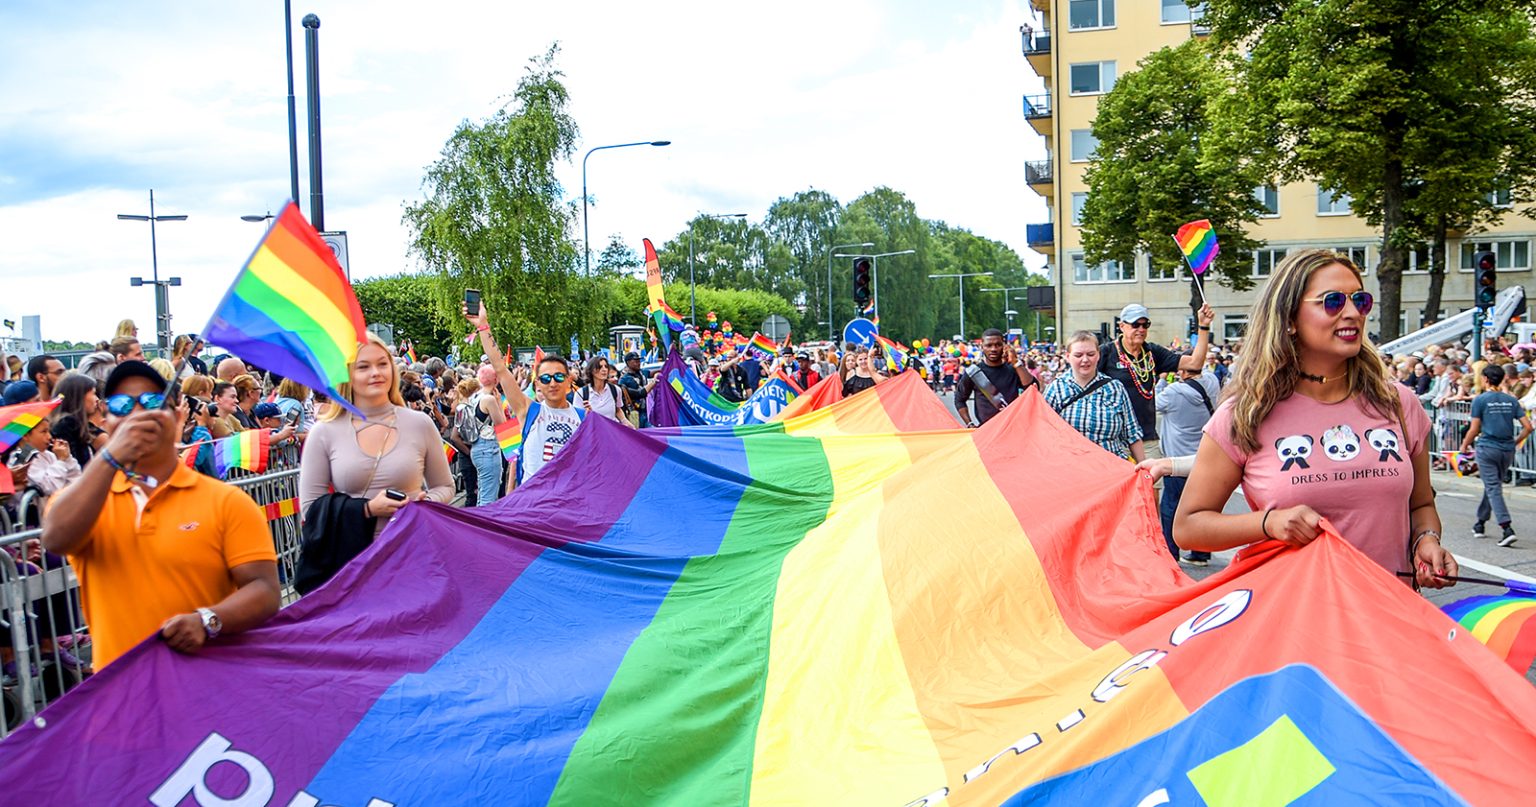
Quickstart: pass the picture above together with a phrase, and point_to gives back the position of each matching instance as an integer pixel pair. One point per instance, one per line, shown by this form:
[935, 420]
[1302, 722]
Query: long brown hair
[345, 388]
[1271, 360]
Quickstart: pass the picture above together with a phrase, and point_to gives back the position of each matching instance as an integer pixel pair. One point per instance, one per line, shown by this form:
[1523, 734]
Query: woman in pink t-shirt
[1312, 427]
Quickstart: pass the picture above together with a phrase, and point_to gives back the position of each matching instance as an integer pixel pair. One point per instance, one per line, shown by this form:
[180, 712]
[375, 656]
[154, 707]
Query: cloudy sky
[105, 100]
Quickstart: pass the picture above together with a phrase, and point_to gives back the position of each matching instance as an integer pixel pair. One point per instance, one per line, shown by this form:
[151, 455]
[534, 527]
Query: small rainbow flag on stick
[247, 450]
[1197, 240]
[291, 309]
[895, 353]
[509, 435]
[1506, 623]
[764, 344]
[17, 420]
[410, 353]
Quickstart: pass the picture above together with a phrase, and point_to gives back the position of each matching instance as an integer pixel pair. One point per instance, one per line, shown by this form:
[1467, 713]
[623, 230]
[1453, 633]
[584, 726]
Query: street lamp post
[162, 297]
[293, 125]
[831, 335]
[586, 243]
[692, 320]
[874, 271]
[962, 276]
[1008, 299]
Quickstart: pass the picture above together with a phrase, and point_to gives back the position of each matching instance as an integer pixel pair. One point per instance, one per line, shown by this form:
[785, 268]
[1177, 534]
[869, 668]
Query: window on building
[1083, 14]
[1269, 199]
[1328, 205]
[1092, 78]
[1233, 327]
[1106, 272]
[1181, 11]
[1265, 261]
[1418, 260]
[1158, 271]
[1356, 253]
[1084, 144]
[1078, 200]
[1513, 256]
[1501, 198]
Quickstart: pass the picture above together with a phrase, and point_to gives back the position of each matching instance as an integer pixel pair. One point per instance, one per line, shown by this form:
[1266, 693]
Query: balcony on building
[1037, 49]
[1037, 110]
[1041, 237]
[1042, 6]
[1039, 175]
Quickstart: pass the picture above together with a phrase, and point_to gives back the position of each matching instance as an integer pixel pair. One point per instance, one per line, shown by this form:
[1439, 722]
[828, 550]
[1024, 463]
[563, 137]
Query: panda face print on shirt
[1341, 445]
[1294, 451]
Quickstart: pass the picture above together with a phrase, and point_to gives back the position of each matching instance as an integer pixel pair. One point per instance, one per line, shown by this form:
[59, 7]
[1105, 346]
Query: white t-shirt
[603, 403]
[550, 432]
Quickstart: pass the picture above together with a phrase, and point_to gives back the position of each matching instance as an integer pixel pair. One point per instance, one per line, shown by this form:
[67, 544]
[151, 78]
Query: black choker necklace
[1316, 379]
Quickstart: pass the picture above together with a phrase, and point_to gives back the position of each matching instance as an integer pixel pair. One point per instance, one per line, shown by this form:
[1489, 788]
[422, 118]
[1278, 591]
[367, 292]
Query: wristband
[1205, 327]
[1263, 523]
[482, 328]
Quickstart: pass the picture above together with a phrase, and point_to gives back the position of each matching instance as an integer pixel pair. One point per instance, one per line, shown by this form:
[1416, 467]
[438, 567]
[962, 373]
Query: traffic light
[1485, 264]
[863, 276]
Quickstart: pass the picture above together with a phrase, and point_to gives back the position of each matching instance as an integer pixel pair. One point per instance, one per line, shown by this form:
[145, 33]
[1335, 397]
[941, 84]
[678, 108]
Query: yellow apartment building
[1079, 48]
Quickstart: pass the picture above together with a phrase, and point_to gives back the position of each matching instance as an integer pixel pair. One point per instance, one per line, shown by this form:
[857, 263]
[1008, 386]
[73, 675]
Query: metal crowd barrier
[44, 640]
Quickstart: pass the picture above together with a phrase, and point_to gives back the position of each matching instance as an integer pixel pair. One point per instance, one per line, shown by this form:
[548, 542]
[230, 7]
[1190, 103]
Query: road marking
[1453, 493]
[1489, 568]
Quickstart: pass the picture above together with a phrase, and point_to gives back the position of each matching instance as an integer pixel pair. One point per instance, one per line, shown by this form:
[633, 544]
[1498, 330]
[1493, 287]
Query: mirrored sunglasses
[121, 404]
[552, 378]
[1333, 301]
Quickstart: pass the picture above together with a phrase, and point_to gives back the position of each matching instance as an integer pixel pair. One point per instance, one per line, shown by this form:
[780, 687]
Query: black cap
[631, 356]
[134, 369]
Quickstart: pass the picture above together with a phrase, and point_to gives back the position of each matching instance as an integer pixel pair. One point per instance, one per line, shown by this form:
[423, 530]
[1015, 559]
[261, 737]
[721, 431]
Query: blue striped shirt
[1104, 416]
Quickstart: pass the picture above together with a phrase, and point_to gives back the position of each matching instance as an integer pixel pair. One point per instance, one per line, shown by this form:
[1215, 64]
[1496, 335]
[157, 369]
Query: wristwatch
[211, 622]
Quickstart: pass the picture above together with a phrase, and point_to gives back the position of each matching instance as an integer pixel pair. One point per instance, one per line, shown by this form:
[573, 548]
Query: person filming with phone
[159, 548]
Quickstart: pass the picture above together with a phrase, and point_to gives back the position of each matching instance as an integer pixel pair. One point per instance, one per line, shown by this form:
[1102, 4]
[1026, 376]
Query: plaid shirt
[1103, 416]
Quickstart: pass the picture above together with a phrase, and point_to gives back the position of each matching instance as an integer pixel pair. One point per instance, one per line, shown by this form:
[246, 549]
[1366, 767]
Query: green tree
[806, 224]
[408, 303]
[1363, 98]
[888, 219]
[494, 218]
[618, 258]
[1155, 169]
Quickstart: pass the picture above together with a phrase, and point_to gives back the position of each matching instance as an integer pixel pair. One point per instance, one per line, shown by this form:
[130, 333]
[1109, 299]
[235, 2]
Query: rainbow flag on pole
[777, 614]
[1197, 240]
[665, 318]
[509, 435]
[246, 450]
[18, 419]
[291, 309]
[895, 353]
[764, 344]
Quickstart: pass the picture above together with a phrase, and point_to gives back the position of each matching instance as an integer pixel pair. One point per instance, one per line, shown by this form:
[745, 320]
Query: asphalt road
[1457, 499]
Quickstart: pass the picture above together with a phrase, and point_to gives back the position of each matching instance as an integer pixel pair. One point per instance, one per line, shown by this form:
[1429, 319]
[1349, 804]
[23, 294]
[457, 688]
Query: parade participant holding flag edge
[998, 380]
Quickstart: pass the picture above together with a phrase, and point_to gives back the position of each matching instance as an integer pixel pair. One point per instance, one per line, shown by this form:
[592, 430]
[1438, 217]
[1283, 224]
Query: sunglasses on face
[1141, 324]
[552, 378]
[121, 404]
[1333, 302]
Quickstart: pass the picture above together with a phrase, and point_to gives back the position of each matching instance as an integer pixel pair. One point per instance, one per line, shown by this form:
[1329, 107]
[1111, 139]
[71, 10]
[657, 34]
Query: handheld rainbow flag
[1197, 240]
[665, 318]
[410, 353]
[18, 419]
[895, 353]
[764, 344]
[1506, 623]
[538, 357]
[509, 435]
[291, 309]
[673, 320]
[247, 450]
[450, 452]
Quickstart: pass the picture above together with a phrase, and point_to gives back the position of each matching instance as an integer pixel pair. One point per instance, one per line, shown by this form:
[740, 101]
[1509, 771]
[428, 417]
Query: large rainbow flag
[778, 614]
[291, 309]
[18, 419]
[1505, 622]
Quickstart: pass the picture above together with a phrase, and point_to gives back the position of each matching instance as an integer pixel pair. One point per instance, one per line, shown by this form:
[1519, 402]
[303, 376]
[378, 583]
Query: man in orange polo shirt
[158, 547]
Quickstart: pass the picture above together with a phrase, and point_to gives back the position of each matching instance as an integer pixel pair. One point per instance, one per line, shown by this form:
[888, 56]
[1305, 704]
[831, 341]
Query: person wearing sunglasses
[1136, 363]
[1312, 427]
[547, 424]
[159, 548]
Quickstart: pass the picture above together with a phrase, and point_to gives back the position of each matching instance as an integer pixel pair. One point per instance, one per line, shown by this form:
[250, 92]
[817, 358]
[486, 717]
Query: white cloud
[106, 100]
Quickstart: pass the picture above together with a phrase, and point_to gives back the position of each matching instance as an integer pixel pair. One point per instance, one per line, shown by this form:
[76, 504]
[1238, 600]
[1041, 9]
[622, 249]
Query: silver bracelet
[1413, 551]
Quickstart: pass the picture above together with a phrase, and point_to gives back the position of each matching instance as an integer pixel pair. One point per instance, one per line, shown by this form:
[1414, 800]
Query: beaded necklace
[1140, 369]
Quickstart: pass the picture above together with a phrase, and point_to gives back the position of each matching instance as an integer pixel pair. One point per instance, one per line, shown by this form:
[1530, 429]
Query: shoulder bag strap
[1084, 392]
[1205, 397]
[984, 386]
